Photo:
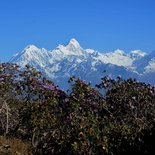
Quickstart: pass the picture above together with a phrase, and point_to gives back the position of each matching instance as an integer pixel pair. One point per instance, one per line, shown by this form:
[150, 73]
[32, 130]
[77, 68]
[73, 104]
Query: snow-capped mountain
[88, 64]
[32, 55]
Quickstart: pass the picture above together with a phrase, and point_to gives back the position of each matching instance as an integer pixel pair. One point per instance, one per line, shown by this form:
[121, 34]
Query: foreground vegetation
[116, 117]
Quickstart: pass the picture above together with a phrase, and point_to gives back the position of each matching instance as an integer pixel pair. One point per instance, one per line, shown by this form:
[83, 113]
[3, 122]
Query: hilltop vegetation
[80, 121]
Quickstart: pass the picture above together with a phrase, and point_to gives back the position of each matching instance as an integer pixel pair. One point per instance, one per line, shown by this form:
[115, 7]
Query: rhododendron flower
[48, 86]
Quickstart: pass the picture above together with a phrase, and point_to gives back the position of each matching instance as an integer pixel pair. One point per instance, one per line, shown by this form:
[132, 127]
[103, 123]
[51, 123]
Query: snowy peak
[73, 45]
[73, 42]
[72, 48]
[137, 54]
[33, 56]
[30, 48]
[119, 52]
[32, 51]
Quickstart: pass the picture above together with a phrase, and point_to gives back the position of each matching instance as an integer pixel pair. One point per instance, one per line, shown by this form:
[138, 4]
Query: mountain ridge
[72, 60]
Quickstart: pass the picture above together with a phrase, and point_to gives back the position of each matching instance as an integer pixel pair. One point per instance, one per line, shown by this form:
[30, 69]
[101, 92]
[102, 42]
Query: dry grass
[11, 146]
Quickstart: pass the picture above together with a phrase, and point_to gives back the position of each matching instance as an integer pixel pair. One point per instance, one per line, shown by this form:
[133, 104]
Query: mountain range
[88, 64]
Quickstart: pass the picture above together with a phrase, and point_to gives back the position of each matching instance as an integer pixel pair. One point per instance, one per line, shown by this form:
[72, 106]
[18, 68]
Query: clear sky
[104, 25]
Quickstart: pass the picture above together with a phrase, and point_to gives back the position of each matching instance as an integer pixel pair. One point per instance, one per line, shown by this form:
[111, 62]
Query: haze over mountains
[88, 64]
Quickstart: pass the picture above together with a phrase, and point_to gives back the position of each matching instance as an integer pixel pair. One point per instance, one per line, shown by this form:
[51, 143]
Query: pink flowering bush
[116, 117]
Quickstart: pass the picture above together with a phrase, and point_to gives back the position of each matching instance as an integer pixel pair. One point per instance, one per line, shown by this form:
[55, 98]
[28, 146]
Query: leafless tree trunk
[7, 118]
[4, 111]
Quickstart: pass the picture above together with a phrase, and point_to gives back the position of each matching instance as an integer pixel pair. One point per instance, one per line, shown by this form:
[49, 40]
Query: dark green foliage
[132, 105]
[82, 121]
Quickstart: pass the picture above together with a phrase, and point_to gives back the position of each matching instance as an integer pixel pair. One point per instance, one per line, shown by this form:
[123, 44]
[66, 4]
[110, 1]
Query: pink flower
[48, 86]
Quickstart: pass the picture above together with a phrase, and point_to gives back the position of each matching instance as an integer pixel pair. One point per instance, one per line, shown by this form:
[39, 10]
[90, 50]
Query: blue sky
[104, 25]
